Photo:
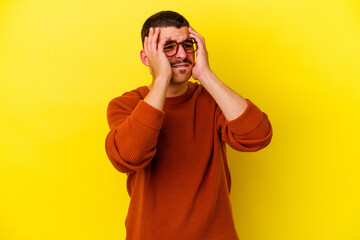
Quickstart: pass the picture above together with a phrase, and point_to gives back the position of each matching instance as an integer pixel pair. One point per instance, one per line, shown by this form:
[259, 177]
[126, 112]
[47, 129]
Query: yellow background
[61, 62]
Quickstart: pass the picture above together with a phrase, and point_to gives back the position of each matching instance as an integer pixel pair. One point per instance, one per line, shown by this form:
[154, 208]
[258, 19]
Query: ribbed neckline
[183, 97]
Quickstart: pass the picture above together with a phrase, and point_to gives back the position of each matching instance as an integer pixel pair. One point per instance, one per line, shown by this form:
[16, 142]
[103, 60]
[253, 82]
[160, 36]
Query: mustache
[181, 61]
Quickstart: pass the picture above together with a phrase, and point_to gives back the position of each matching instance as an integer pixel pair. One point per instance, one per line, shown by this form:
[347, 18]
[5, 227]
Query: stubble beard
[182, 71]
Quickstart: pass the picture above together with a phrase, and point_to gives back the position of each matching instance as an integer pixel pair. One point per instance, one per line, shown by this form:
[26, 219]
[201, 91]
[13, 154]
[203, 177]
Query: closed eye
[188, 45]
[169, 47]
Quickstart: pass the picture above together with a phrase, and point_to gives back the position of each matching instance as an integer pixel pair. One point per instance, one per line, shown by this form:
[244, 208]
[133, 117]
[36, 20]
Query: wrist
[160, 83]
[206, 76]
[161, 80]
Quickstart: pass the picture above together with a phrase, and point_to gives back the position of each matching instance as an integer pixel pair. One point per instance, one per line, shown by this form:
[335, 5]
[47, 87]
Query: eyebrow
[186, 40]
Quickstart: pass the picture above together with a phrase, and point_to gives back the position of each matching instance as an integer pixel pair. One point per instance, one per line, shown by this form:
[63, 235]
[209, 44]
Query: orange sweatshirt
[175, 160]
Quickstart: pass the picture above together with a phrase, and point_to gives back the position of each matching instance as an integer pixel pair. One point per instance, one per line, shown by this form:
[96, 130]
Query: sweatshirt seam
[248, 132]
[147, 125]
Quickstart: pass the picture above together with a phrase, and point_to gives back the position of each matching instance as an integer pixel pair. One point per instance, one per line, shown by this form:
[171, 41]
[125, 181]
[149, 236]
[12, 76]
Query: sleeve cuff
[148, 115]
[247, 121]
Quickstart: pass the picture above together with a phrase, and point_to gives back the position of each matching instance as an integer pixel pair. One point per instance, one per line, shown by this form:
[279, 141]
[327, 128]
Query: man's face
[182, 62]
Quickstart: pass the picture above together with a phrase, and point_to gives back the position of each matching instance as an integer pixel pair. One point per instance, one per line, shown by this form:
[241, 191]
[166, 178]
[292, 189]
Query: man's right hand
[160, 68]
[159, 63]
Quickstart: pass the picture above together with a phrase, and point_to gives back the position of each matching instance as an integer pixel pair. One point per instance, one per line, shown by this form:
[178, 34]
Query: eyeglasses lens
[171, 48]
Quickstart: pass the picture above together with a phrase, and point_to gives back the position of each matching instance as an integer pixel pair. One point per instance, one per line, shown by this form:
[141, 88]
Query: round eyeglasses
[171, 48]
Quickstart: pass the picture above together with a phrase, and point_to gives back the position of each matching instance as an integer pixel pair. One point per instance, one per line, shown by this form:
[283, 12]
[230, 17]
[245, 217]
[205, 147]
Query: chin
[179, 77]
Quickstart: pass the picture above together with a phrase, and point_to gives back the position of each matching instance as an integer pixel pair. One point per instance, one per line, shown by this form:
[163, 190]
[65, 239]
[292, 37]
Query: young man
[169, 138]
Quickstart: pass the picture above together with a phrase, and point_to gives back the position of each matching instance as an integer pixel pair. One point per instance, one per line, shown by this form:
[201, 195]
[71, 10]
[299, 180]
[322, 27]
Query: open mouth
[180, 66]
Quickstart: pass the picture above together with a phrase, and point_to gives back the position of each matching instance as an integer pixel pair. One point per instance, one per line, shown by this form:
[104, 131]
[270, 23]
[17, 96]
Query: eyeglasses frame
[182, 44]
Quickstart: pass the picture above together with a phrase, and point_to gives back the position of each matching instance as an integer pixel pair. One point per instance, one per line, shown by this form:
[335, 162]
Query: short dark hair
[163, 19]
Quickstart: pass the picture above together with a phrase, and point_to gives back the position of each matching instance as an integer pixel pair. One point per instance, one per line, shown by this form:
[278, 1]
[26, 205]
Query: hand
[159, 63]
[201, 66]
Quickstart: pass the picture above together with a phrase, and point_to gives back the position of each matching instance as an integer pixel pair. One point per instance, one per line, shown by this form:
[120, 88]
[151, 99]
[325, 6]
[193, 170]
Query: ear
[144, 59]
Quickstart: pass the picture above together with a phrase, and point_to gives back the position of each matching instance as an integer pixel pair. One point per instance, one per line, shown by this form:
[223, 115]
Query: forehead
[175, 34]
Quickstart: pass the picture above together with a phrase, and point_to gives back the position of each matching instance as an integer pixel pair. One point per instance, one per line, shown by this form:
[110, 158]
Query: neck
[175, 89]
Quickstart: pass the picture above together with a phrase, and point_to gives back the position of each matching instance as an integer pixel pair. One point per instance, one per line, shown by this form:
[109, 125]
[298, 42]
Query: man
[169, 138]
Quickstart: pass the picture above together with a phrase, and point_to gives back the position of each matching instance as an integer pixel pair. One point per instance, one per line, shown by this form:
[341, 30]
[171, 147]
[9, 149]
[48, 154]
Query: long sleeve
[176, 162]
[250, 132]
[134, 129]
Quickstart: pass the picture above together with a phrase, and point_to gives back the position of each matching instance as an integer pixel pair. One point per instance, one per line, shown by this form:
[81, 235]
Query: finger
[200, 42]
[199, 39]
[157, 37]
[146, 46]
[154, 40]
[191, 30]
[149, 39]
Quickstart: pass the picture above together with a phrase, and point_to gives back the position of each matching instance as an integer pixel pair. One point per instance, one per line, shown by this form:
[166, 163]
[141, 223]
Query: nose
[181, 54]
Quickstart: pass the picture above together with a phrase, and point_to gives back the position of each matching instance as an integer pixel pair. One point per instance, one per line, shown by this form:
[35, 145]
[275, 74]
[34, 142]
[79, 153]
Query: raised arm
[154, 57]
[135, 123]
[241, 124]
[134, 129]
[231, 103]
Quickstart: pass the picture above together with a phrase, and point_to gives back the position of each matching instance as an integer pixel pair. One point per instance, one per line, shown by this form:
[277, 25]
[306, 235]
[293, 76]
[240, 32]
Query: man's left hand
[201, 67]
